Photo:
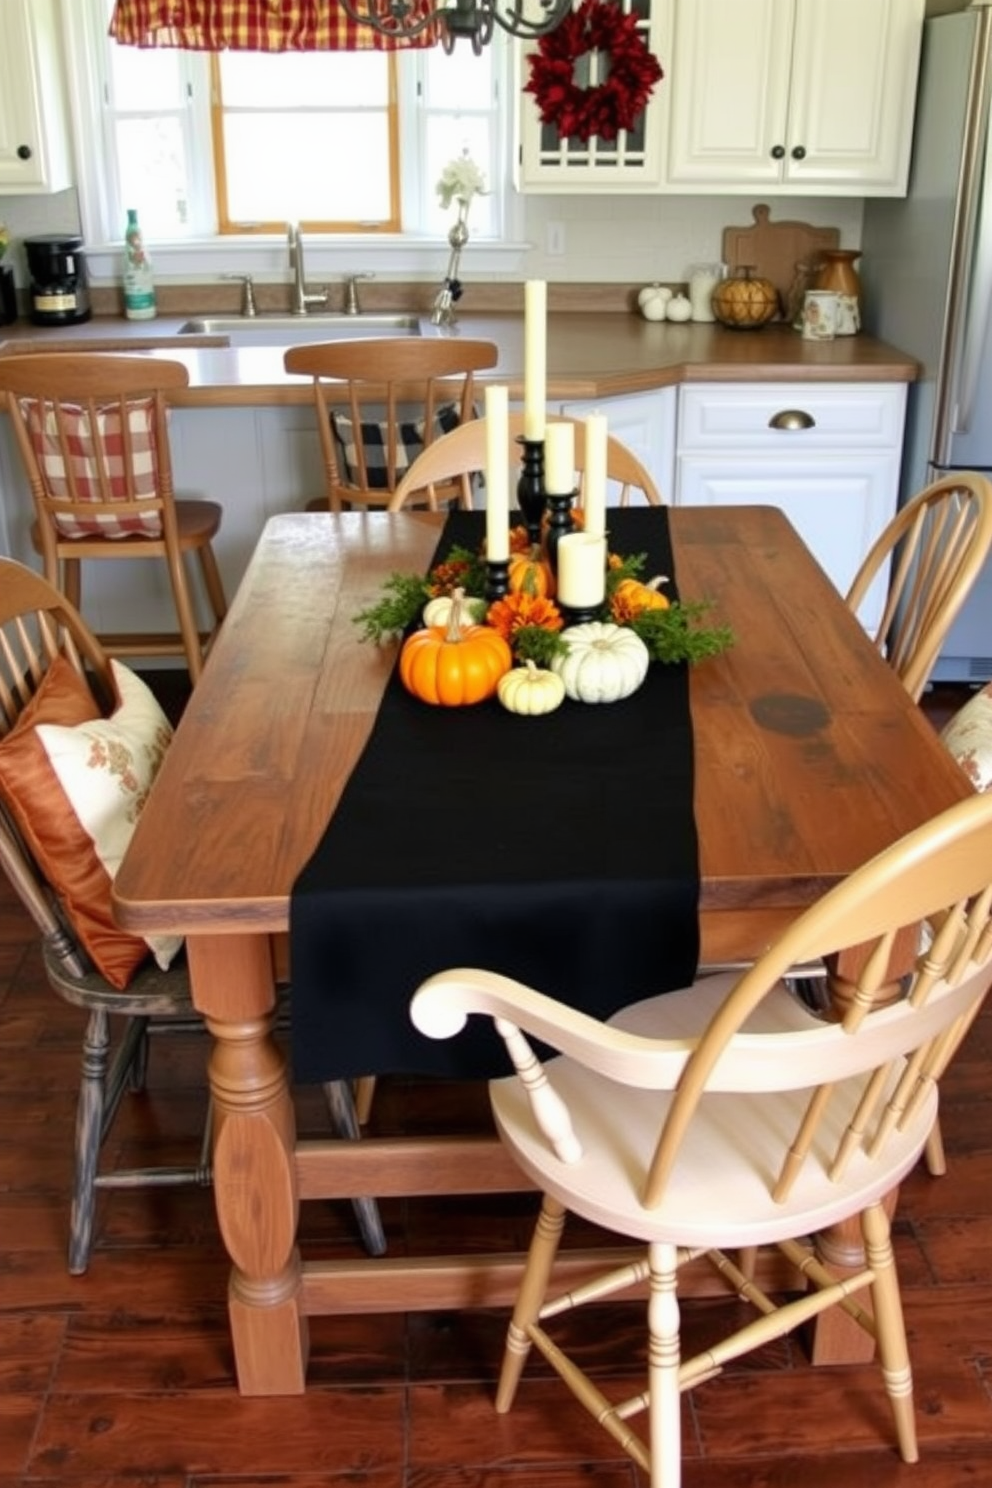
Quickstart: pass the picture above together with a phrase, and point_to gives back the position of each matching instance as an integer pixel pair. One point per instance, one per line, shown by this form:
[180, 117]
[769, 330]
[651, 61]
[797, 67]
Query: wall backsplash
[607, 239]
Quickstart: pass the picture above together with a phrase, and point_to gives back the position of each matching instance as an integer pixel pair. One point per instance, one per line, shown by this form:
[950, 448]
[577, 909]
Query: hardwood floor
[124, 1376]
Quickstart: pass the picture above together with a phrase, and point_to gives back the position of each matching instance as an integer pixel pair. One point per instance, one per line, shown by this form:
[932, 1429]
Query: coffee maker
[59, 292]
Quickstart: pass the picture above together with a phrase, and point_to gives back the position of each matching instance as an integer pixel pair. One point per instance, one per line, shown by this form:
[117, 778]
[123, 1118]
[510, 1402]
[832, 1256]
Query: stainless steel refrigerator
[927, 284]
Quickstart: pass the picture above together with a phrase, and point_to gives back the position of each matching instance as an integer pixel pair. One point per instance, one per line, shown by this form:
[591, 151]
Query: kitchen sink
[288, 330]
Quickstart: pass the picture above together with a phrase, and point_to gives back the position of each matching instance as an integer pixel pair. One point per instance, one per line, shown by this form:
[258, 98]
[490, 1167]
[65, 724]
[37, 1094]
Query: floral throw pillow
[969, 738]
[75, 783]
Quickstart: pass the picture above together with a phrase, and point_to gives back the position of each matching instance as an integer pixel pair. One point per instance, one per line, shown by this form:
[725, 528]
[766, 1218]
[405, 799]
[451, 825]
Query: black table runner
[560, 850]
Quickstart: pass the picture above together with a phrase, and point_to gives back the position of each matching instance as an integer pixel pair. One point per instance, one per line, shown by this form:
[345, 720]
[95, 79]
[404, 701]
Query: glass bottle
[139, 280]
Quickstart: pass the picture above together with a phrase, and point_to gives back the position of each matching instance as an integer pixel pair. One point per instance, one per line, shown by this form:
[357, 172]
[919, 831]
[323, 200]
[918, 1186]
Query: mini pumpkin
[631, 597]
[530, 690]
[603, 663]
[455, 664]
[437, 611]
[529, 573]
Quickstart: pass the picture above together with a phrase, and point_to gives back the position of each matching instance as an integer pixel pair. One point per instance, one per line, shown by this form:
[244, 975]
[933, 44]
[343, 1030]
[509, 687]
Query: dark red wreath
[611, 105]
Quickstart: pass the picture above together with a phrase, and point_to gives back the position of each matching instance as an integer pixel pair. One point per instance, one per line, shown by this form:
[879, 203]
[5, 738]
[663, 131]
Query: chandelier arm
[517, 24]
[396, 22]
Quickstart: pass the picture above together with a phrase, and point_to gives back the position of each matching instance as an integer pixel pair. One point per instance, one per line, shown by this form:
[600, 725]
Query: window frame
[413, 252]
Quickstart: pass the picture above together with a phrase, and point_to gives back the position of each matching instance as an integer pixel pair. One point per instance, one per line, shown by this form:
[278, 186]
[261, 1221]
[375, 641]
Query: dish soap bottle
[139, 281]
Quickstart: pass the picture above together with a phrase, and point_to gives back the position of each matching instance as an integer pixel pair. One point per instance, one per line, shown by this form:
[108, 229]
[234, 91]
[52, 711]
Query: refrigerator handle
[975, 330]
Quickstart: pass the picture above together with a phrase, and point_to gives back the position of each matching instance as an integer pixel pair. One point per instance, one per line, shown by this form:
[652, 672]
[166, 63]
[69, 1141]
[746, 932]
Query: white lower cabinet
[645, 423]
[828, 456]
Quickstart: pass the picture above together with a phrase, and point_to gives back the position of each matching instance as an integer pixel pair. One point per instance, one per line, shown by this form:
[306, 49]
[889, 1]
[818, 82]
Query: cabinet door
[731, 66]
[853, 93]
[837, 504]
[548, 163]
[794, 95]
[34, 151]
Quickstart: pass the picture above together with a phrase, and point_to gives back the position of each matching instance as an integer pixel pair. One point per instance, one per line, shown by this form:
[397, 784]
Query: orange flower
[518, 610]
[519, 540]
[445, 578]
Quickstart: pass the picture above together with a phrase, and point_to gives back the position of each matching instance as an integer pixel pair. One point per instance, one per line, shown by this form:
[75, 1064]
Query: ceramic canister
[819, 315]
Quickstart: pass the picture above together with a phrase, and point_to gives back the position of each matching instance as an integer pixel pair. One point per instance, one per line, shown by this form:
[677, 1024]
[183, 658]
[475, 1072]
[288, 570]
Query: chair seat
[198, 522]
[717, 1198]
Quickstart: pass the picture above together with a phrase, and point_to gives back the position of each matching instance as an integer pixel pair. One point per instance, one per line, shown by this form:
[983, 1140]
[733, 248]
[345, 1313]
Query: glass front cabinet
[548, 161]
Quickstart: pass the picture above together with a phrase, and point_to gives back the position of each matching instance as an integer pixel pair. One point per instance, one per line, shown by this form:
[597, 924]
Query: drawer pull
[792, 418]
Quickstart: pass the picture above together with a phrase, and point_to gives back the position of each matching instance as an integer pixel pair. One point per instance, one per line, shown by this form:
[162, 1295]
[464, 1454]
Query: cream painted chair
[93, 436]
[461, 454]
[379, 402]
[936, 545]
[727, 1117]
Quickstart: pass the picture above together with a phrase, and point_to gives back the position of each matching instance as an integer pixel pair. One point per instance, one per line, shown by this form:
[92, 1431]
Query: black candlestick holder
[497, 578]
[559, 524]
[530, 486]
[579, 616]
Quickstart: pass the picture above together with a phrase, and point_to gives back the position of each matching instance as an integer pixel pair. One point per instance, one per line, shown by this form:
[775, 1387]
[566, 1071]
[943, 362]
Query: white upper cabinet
[811, 97]
[34, 143]
[634, 161]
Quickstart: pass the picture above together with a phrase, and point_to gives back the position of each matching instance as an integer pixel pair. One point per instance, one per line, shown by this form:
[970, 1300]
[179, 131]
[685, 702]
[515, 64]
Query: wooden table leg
[255, 1188]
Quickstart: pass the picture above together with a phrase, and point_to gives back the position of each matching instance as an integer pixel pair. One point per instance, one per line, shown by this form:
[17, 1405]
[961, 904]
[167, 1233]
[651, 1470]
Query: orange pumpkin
[529, 573]
[454, 664]
[631, 597]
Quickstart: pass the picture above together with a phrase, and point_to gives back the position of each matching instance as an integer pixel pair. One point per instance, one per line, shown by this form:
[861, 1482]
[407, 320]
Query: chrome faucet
[303, 298]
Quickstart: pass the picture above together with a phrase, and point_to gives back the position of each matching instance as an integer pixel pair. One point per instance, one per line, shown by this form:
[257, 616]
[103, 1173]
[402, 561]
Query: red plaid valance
[251, 26]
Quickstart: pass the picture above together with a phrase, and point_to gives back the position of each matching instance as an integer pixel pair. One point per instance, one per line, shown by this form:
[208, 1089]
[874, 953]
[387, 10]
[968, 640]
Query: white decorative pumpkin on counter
[653, 301]
[678, 308]
[604, 662]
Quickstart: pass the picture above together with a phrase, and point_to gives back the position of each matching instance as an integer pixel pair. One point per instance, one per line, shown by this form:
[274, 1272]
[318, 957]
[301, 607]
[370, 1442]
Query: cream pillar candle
[581, 571]
[559, 459]
[497, 474]
[535, 357]
[594, 483]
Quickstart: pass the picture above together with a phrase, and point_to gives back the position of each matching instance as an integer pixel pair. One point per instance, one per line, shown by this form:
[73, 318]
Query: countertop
[590, 355]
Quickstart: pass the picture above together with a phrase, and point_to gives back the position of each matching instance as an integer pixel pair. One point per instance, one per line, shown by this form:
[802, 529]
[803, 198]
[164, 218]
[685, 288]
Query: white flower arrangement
[460, 180]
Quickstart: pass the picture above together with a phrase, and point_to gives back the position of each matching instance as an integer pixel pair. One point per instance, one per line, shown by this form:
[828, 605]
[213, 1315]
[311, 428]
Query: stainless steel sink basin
[287, 330]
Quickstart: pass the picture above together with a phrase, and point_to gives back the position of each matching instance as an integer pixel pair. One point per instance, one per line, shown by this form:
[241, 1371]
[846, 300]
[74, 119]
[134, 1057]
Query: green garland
[674, 634]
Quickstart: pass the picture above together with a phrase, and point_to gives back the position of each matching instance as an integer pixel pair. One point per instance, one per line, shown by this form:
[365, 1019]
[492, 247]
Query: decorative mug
[820, 308]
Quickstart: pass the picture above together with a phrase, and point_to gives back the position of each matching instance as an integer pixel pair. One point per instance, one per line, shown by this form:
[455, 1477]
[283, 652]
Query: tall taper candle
[535, 357]
[497, 474]
[559, 459]
[594, 484]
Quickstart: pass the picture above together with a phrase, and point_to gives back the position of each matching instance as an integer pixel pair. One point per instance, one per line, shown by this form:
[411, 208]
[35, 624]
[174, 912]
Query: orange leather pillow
[61, 846]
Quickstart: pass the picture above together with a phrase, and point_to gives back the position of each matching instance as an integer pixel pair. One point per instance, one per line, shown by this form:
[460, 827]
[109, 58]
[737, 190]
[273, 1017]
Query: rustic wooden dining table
[809, 758]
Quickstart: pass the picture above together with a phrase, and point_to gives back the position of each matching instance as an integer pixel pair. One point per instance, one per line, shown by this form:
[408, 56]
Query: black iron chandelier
[474, 20]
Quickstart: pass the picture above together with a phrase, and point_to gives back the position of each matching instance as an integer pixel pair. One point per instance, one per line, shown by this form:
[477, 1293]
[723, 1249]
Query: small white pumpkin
[678, 308]
[530, 690]
[604, 662]
[437, 611]
[653, 301]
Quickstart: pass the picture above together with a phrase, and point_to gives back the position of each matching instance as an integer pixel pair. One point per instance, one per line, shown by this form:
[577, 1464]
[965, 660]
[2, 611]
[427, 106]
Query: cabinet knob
[799, 153]
[24, 152]
[792, 418]
[778, 152]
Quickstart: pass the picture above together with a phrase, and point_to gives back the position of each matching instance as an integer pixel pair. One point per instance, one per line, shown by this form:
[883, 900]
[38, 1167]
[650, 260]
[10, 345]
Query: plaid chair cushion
[85, 436]
[409, 444]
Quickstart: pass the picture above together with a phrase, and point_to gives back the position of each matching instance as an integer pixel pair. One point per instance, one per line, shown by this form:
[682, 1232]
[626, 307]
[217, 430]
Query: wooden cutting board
[774, 249]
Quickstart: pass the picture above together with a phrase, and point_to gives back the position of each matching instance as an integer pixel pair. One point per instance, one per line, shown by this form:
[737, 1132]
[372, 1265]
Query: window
[244, 142]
